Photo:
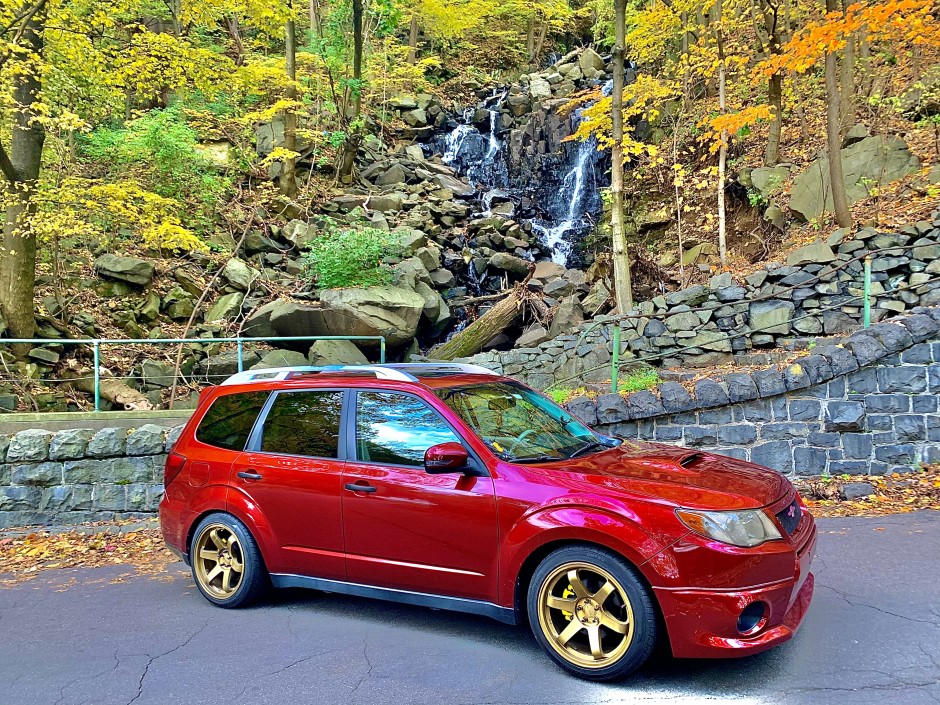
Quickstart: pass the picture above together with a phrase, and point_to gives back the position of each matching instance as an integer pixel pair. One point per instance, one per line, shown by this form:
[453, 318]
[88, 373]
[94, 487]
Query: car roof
[393, 376]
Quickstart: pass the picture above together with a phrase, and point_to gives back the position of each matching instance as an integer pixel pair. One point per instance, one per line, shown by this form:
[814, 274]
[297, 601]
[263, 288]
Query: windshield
[519, 424]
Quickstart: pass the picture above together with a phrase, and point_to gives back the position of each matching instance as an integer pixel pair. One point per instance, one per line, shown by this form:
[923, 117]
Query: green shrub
[159, 150]
[638, 381]
[350, 255]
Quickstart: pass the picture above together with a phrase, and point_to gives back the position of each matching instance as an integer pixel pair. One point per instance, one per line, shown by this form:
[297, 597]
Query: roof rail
[419, 367]
[274, 374]
[398, 372]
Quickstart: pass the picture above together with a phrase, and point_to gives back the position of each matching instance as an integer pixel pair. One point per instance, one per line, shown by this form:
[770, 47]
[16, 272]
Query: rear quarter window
[228, 422]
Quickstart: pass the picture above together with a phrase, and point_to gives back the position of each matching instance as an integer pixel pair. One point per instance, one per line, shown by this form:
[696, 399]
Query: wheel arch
[535, 557]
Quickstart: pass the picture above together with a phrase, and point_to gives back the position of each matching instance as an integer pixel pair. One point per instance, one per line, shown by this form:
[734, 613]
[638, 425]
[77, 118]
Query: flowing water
[564, 208]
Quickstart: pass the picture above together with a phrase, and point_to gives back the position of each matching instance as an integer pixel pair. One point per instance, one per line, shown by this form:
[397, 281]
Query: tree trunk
[287, 180]
[774, 83]
[351, 147]
[686, 88]
[21, 169]
[114, 390]
[864, 53]
[723, 148]
[530, 41]
[840, 200]
[540, 43]
[847, 86]
[471, 339]
[623, 287]
[413, 40]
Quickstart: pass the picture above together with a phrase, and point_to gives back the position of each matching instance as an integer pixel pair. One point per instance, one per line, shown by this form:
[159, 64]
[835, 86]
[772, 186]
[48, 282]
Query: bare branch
[6, 166]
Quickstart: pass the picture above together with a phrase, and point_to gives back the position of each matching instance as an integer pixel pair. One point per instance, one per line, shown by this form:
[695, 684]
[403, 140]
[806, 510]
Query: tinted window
[228, 422]
[304, 423]
[397, 428]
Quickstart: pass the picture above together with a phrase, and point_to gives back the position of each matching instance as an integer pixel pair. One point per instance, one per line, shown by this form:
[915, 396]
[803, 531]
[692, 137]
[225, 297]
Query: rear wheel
[227, 565]
[591, 613]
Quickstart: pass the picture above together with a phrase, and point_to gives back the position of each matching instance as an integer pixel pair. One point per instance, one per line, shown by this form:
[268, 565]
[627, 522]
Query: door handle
[250, 475]
[353, 487]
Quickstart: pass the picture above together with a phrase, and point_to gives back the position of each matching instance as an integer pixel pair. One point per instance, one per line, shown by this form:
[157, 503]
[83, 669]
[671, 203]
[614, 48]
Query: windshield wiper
[536, 459]
[590, 445]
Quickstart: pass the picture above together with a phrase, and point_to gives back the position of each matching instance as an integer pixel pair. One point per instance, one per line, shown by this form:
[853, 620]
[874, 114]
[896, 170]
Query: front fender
[573, 523]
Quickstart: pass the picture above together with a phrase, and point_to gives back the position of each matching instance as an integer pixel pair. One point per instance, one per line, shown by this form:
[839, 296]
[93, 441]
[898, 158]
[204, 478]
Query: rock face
[132, 270]
[875, 160]
[378, 310]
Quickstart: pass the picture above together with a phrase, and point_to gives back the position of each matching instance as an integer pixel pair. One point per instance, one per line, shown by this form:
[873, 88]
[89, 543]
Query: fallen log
[471, 339]
[114, 390]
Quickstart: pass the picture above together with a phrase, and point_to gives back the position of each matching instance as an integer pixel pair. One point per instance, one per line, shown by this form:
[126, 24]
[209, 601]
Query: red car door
[292, 473]
[404, 528]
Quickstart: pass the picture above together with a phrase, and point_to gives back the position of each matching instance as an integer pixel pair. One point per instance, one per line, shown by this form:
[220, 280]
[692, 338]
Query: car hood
[684, 477]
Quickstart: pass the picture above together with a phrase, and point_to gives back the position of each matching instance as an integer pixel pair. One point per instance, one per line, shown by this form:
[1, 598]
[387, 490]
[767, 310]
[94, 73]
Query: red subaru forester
[447, 486]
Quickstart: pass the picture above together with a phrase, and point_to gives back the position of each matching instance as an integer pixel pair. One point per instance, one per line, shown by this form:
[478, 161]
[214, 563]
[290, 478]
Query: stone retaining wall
[868, 406]
[817, 292]
[79, 475]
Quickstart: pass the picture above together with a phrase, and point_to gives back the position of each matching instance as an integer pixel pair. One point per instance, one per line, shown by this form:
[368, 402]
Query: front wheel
[591, 613]
[227, 565]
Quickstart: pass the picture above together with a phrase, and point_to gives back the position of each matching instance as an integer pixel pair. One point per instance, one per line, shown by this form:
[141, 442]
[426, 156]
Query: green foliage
[160, 151]
[638, 381]
[350, 255]
[755, 198]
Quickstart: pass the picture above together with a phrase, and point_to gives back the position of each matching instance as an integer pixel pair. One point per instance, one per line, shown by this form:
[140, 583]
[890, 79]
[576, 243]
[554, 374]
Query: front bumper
[702, 623]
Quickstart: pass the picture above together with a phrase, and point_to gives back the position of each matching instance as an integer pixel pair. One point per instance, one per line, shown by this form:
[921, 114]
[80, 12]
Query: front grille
[789, 517]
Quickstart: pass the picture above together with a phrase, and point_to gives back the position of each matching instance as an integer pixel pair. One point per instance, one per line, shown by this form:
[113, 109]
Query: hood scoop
[690, 459]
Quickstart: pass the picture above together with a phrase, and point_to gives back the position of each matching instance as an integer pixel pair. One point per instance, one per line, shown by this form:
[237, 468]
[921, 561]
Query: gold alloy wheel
[219, 561]
[586, 615]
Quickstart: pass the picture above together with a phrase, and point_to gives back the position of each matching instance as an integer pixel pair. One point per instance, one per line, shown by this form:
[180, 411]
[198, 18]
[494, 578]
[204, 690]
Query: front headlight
[743, 528]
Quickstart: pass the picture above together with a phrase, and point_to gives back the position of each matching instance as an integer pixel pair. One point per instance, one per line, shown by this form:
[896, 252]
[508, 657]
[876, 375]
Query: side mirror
[445, 458]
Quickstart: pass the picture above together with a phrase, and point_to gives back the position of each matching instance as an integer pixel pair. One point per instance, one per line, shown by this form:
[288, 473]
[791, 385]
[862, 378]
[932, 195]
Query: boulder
[922, 99]
[217, 367]
[546, 271]
[532, 336]
[539, 88]
[877, 160]
[510, 263]
[283, 318]
[590, 60]
[814, 253]
[767, 180]
[132, 270]
[336, 352]
[238, 274]
[459, 188]
[386, 202]
[395, 174]
[378, 310]
[415, 118]
[226, 307]
[178, 304]
[281, 358]
[567, 316]
[298, 233]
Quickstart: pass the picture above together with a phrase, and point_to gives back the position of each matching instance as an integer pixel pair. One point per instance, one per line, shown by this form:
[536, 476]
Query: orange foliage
[910, 21]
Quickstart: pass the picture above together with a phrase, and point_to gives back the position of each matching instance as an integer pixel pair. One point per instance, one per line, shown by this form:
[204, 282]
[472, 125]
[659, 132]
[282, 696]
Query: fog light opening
[752, 618]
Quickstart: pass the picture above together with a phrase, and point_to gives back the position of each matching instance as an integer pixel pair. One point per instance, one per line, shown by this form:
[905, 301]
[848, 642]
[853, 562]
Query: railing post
[97, 358]
[382, 350]
[866, 298]
[241, 364]
[615, 357]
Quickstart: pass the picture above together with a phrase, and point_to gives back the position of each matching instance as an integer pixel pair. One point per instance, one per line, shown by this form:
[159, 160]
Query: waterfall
[565, 201]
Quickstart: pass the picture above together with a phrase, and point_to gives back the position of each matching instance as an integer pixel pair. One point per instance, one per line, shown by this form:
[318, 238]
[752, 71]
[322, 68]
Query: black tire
[253, 581]
[621, 655]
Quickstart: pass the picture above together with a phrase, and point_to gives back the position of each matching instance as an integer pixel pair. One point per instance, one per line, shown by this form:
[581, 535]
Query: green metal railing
[98, 343]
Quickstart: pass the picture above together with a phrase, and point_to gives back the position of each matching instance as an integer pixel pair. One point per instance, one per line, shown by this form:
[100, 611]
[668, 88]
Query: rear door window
[229, 420]
[304, 423]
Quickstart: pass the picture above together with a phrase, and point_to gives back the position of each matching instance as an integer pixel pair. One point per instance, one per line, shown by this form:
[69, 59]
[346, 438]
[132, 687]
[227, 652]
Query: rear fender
[242, 507]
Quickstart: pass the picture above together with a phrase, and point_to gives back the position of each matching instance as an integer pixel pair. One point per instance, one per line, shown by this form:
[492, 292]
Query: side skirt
[421, 599]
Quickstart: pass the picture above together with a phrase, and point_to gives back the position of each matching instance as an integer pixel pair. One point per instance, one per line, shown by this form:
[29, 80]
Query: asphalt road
[69, 637]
